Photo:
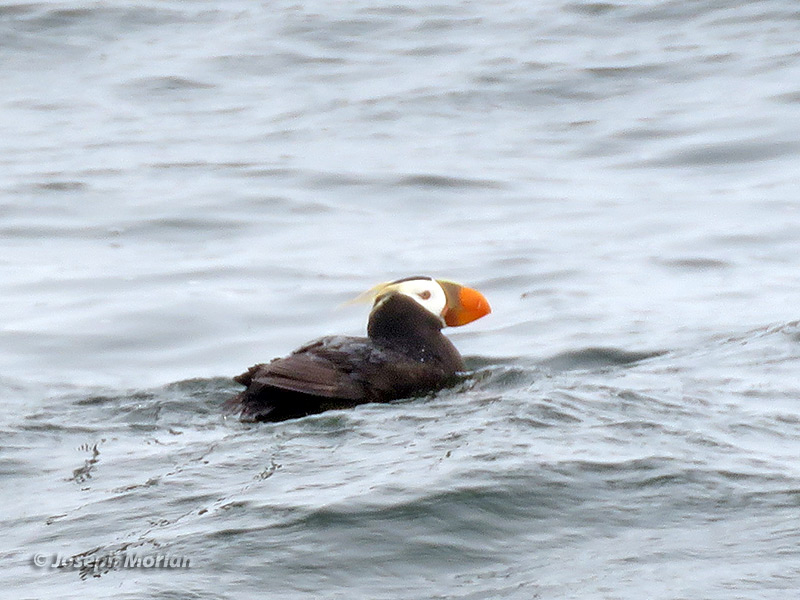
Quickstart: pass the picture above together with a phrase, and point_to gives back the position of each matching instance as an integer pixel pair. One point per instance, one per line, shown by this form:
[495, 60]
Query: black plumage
[405, 354]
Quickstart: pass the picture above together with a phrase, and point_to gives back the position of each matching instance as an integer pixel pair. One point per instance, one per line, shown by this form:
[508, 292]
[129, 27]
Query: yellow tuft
[370, 294]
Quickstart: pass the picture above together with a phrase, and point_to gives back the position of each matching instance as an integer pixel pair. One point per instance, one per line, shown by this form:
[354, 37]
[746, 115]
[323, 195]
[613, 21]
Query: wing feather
[309, 374]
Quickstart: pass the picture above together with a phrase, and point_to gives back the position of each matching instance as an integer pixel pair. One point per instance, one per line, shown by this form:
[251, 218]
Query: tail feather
[252, 404]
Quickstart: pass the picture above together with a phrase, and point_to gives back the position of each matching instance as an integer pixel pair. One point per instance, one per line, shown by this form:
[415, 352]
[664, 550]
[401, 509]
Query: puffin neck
[399, 321]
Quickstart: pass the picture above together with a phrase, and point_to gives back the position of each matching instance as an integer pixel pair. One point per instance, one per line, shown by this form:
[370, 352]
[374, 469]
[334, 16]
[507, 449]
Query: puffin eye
[424, 294]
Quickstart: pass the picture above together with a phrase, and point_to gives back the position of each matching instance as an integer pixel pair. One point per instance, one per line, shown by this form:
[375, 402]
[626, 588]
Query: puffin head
[452, 303]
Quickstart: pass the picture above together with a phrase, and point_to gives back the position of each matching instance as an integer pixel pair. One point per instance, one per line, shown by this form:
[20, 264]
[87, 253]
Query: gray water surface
[188, 188]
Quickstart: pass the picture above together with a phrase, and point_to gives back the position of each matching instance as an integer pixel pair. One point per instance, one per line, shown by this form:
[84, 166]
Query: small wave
[61, 186]
[444, 181]
[194, 402]
[146, 86]
[729, 153]
[694, 263]
[596, 358]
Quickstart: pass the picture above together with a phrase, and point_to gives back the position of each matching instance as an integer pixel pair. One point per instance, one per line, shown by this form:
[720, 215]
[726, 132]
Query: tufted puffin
[404, 354]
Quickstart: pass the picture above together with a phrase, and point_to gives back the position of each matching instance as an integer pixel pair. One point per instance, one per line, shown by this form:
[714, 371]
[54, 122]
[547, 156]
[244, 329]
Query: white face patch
[426, 292]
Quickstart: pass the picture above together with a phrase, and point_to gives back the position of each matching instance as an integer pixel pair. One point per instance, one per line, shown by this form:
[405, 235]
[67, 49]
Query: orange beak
[464, 305]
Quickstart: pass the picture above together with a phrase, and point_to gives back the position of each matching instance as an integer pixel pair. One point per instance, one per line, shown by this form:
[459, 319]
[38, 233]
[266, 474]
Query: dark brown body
[404, 355]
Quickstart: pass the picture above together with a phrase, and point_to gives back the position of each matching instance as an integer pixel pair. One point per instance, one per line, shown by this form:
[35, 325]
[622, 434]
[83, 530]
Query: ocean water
[188, 188]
